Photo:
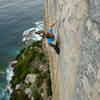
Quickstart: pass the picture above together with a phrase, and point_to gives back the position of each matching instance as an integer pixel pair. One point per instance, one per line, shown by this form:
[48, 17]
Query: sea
[17, 18]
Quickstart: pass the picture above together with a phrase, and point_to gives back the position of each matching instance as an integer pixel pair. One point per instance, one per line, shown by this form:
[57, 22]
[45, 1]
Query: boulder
[13, 65]
[39, 32]
[7, 91]
[19, 86]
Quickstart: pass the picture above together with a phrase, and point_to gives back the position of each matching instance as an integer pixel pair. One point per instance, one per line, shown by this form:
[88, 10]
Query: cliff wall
[75, 72]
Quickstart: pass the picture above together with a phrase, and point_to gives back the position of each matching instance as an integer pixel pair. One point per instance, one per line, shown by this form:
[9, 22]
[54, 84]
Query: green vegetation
[21, 70]
[36, 94]
[18, 95]
[38, 44]
[48, 71]
[19, 55]
[28, 61]
[44, 75]
[41, 57]
[22, 67]
[41, 90]
[40, 78]
[49, 89]
[49, 82]
[29, 85]
[35, 71]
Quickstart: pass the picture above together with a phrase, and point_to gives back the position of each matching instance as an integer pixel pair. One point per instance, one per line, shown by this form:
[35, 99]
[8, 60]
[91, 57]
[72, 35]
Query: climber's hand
[55, 37]
[55, 21]
[53, 24]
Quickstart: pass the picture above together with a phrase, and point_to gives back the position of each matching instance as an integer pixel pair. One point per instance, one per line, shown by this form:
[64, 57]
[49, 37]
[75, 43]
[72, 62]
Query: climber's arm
[53, 24]
[54, 42]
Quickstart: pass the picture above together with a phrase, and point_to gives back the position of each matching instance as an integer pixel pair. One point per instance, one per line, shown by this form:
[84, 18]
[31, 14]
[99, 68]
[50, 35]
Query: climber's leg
[57, 48]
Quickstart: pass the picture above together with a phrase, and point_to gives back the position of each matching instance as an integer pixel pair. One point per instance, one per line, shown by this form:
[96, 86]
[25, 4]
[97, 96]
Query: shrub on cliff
[22, 66]
[41, 57]
[40, 78]
[30, 57]
[19, 55]
[38, 44]
[44, 75]
[49, 91]
[35, 71]
[36, 94]
[15, 81]
[20, 72]
[18, 95]
[49, 88]
[29, 84]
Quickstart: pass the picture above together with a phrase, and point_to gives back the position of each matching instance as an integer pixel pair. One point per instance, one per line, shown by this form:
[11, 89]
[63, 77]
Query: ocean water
[16, 18]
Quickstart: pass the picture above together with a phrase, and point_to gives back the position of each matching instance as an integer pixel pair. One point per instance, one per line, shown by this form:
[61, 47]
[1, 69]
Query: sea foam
[9, 74]
[3, 89]
[29, 34]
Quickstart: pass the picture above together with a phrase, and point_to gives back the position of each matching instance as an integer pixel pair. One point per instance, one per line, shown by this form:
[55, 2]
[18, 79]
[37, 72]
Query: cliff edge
[75, 71]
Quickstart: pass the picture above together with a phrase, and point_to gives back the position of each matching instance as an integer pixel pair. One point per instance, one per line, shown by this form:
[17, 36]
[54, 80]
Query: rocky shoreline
[31, 80]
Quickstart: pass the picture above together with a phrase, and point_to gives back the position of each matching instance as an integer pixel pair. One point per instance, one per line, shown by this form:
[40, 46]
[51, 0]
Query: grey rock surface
[19, 86]
[28, 92]
[75, 72]
[30, 78]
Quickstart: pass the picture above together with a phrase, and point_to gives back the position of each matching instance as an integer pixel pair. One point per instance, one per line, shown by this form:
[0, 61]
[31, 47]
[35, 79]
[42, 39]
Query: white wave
[30, 33]
[3, 89]
[27, 31]
[40, 23]
[12, 62]
[36, 37]
[10, 74]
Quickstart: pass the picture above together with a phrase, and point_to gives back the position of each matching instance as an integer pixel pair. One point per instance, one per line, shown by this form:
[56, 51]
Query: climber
[52, 39]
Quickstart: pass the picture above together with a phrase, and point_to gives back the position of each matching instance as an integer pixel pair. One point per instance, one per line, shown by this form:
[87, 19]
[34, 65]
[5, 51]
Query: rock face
[28, 92]
[75, 72]
[19, 86]
[30, 78]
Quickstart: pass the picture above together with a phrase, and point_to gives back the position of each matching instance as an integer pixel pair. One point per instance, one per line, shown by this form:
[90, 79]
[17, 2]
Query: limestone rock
[49, 98]
[19, 86]
[78, 32]
[28, 92]
[43, 67]
[32, 98]
[30, 78]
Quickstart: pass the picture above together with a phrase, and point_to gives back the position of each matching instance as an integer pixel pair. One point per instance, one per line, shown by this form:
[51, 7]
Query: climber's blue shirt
[50, 31]
[50, 40]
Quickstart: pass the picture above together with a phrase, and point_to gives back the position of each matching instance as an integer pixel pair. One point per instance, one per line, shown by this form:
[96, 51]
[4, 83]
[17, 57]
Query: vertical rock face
[75, 72]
